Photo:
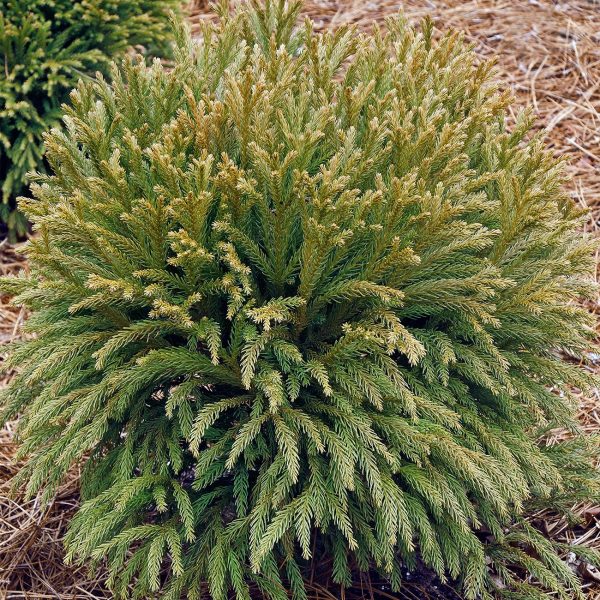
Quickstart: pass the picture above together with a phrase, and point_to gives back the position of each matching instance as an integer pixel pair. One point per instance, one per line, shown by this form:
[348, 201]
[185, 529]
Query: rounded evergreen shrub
[304, 292]
[46, 46]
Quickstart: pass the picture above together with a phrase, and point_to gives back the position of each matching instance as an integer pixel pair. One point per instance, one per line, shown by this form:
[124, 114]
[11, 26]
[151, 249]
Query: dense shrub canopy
[45, 47]
[302, 289]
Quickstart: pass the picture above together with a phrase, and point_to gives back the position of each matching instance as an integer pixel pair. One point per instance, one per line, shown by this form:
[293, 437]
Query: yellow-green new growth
[303, 291]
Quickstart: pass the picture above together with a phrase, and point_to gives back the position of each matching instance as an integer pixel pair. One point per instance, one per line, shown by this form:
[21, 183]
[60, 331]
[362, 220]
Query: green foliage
[303, 289]
[46, 46]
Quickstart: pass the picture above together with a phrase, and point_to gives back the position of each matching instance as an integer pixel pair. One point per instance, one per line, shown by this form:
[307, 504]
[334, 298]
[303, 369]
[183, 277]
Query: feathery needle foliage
[303, 289]
[45, 47]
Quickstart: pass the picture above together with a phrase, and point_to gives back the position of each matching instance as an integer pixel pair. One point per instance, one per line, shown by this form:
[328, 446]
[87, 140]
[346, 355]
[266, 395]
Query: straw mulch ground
[548, 52]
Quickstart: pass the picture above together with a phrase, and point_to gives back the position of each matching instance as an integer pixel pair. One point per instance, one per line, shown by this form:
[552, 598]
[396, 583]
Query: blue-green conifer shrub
[302, 293]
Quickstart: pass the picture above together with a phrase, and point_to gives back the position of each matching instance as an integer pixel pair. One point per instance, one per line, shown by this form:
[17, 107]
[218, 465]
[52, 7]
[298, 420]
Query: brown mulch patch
[548, 52]
[31, 533]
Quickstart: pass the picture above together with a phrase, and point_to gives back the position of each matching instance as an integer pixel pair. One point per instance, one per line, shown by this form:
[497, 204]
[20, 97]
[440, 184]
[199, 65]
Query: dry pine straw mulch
[548, 52]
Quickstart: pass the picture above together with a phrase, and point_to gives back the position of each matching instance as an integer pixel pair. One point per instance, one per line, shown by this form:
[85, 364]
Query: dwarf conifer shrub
[303, 291]
[45, 47]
